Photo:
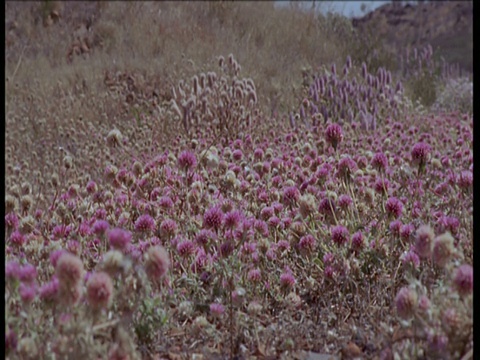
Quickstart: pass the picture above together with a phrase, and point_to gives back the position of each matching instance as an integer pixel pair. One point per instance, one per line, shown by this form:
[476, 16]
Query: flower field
[204, 222]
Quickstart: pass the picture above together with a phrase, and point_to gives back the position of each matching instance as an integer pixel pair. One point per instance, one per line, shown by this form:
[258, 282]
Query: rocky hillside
[446, 25]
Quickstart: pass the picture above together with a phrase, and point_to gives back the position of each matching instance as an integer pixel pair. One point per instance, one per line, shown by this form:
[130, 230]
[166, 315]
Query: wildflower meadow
[220, 203]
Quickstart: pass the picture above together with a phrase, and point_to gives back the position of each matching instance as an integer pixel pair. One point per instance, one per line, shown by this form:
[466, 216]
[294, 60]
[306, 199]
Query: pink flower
[334, 135]
[344, 201]
[381, 186]
[204, 237]
[55, 255]
[406, 302]
[254, 275]
[274, 222]
[328, 258]
[27, 273]
[463, 279]
[437, 343]
[185, 248]
[145, 223]
[100, 227]
[213, 218]
[74, 247]
[165, 202]
[12, 270]
[307, 244]
[168, 228]
[358, 241]
[17, 239]
[424, 303]
[11, 342]
[340, 235]
[99, 290]
[443, 249]
[420, 154]
[291, 194]
[49, 291]
[465, 180]
[394, 207]
[232, 219]
[283, 245]
[329, 272]
[424, 241]
[119, 239]
[27, 292]
[411, 258]
[217, 309]
[406, 230]
[380, 161]
[237, 154]
[187, 160]
[266, 212]
[258, 154]
[157, 262]
[91, 187]
[327, 206]
[69, 269]
[287, 280]
[11, 221]
[395, 227]
[345, 167]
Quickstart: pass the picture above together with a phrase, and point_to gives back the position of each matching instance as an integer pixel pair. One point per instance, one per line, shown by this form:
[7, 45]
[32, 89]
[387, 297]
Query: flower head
[443, 249]
[379, 161]
[254, 275]
[394, 207]
[157, 262]
[27, 273]
[217, 309]
[306, 205]
[307, 244]
[424, 241]
[358, 241]
[287, 280]
[99, 290]
[168, 228]
[49, 291]
[463, 279]
[119, 239]
[27, 292]
[420, 154]
[100, 227]
[334, 134]
[232, 219]
[411, 258]
[69, 269]
[186, 248]
[187, 160]
[291, 194]
[406, 302]
[145, 223]
[340, 235]
[213, 218]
